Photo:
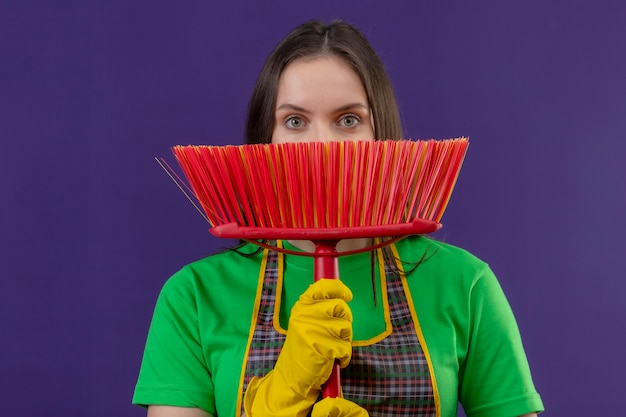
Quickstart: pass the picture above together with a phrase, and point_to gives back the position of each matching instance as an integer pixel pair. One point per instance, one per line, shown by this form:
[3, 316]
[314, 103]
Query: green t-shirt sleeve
[495, 379]
[174, 370]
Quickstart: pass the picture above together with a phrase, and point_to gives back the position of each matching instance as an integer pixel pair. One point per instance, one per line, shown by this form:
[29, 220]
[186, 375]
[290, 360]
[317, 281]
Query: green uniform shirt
[202, 321]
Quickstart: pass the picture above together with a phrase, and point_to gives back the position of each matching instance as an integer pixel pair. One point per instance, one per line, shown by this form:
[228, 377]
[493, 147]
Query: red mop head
[323, 189]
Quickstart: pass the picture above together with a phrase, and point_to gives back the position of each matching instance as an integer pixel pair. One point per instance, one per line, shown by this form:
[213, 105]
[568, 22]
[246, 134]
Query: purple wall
[90, 227]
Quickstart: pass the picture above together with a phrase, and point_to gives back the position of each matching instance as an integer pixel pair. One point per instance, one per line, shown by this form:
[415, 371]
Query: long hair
[313, 39]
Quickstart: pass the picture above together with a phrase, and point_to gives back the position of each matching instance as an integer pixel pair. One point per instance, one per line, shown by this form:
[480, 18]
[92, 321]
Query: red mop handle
[327, 267]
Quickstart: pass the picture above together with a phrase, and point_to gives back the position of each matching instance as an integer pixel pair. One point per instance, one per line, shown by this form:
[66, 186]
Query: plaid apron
[388, 378]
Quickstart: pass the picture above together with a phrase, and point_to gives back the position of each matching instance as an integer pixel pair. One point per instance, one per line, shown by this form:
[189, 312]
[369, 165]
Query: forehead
[327, 77]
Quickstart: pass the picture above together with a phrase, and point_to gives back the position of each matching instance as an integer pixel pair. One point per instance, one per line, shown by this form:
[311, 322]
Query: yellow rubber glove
[338, 407]
[320, 332]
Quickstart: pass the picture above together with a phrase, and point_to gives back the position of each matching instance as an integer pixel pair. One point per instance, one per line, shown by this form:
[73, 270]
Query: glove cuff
[271, 396]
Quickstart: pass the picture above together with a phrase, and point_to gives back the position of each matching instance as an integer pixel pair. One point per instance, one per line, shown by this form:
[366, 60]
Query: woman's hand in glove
[319, 332]
[337, 407]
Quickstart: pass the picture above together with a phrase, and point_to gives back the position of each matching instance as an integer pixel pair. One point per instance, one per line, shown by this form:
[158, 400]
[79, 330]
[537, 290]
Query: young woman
[245, 333]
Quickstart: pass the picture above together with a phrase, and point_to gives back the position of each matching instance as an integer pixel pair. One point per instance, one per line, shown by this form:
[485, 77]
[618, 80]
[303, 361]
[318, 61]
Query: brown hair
[313, 39]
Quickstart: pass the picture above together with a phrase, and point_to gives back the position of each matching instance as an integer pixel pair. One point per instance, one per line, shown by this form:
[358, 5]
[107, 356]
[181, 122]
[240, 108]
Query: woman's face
[321, 99]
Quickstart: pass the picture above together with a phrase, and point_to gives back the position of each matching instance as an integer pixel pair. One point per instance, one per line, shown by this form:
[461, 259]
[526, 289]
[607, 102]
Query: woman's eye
[294, 122]
[349, 120]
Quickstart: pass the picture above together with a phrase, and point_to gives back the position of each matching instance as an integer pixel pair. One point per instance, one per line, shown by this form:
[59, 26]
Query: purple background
[90, 227]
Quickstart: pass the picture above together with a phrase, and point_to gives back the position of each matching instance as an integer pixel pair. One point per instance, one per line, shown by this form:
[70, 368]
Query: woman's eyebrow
[357, 105]
[288, 106]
